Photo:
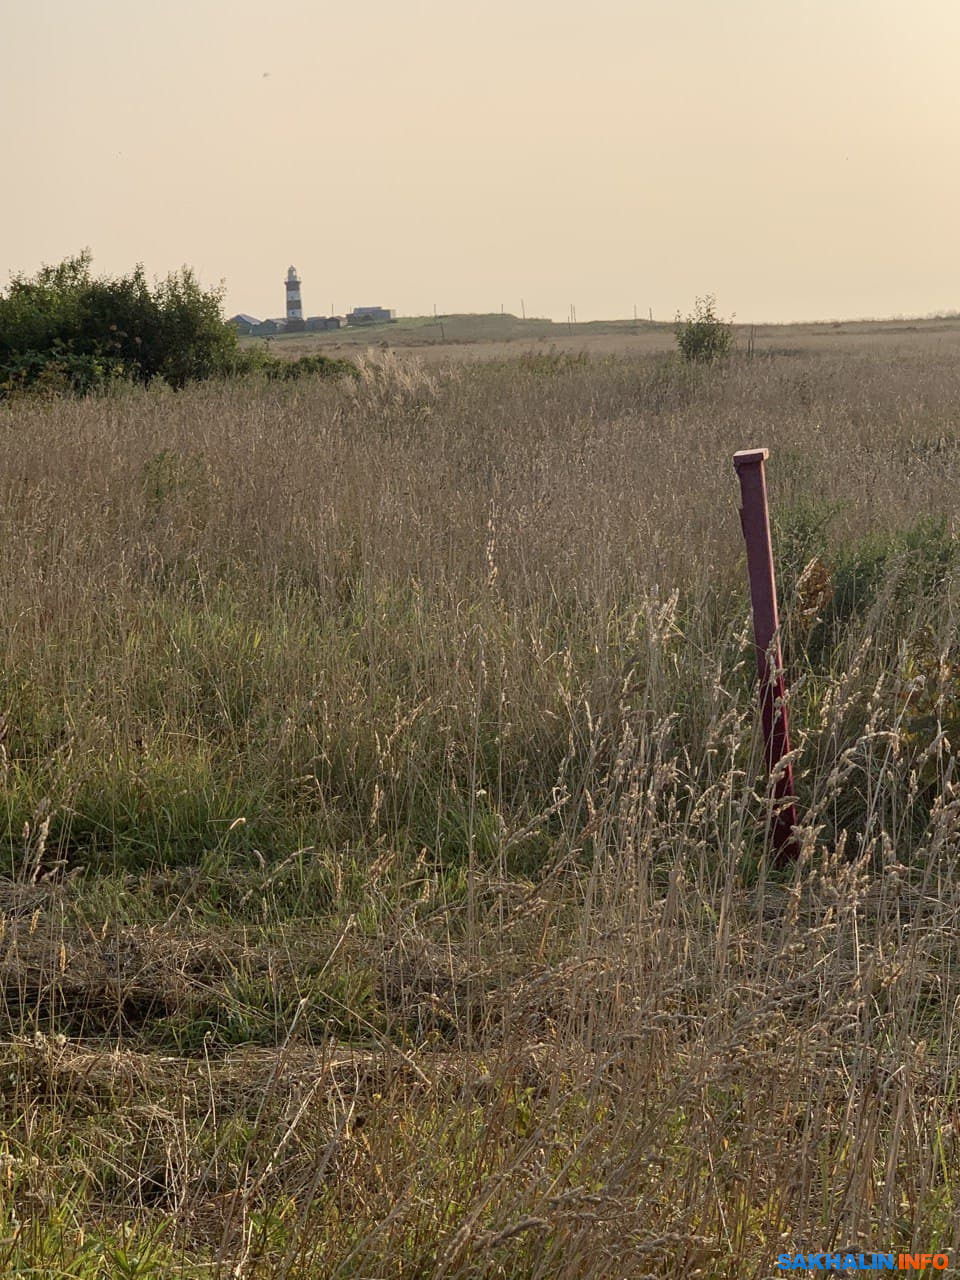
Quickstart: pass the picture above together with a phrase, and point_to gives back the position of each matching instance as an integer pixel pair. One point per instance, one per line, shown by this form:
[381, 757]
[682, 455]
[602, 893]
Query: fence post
[755, 520]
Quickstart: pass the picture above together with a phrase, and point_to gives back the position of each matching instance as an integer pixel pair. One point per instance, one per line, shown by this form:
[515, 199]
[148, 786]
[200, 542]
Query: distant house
[370, 315]
[318, 324]
[243, 323]
[265, 329]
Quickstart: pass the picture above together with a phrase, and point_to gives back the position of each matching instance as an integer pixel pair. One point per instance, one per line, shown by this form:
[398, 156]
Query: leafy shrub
[918, 560]
[825, 586]
[703, 337]
[276, 370]
[802, 532]
[67, 330]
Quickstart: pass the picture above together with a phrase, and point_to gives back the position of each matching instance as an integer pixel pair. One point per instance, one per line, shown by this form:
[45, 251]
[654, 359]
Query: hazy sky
[797, 158]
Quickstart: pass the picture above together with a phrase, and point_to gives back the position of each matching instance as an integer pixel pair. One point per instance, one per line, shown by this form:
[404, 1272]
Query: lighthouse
[294, 304]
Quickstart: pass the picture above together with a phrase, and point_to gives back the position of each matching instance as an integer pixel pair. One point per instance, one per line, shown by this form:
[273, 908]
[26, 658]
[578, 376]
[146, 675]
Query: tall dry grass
[387, 890]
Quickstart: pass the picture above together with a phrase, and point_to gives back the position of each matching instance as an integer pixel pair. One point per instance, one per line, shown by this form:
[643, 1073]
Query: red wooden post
[755, 519]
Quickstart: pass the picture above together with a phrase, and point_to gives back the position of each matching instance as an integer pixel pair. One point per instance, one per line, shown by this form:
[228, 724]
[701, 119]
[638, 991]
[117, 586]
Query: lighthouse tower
[294, 305]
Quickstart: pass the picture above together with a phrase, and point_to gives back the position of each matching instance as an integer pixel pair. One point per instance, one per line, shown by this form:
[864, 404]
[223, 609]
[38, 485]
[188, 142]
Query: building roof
[241, 315]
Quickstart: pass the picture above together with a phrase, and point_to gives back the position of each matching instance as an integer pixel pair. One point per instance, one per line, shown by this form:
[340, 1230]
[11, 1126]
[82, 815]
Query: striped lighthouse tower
[294, 305]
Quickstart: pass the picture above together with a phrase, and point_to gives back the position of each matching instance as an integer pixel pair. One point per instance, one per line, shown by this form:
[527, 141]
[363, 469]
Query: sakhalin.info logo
[845, 1263]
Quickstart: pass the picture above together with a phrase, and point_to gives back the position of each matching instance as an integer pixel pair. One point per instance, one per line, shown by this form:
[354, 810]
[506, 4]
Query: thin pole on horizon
[523, 309]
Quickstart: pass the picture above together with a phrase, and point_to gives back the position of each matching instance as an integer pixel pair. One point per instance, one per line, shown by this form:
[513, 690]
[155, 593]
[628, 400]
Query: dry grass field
[385, 887]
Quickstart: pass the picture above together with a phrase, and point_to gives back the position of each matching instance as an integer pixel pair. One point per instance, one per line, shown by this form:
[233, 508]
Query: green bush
[66, 330]
[257, 361]
[703, 337]
[826, 585]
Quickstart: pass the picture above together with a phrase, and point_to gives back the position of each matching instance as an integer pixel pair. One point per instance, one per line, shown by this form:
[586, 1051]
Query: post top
[749, 457]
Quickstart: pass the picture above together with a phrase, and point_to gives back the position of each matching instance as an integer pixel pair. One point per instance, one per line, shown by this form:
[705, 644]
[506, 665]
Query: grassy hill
[479, 337]
[493, 328]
